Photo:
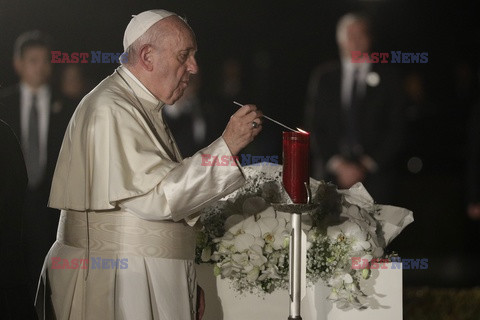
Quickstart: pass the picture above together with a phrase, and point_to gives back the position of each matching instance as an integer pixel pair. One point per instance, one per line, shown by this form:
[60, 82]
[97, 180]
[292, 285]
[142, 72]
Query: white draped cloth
[128, 203]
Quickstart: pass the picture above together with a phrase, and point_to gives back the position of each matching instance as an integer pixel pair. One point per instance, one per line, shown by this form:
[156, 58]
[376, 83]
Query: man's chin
[172, 101]
[175, 98]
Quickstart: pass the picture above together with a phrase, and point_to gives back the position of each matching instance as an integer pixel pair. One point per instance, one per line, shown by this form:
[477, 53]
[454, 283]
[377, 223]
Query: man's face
[357, 38]
[174, 62]
[34, 67]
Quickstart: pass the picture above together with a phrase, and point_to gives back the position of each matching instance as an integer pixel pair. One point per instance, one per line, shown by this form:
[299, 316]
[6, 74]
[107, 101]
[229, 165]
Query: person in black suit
[14, 285]
[355, 114]
[39, 120]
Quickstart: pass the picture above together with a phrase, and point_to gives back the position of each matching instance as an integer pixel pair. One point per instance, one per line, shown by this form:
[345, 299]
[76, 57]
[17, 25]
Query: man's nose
[192, 66]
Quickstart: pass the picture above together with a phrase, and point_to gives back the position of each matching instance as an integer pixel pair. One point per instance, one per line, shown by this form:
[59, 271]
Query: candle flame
[302, 131]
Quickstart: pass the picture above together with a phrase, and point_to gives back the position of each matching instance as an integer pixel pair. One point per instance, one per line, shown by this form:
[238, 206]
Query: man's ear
[18, 65]
[145, 57]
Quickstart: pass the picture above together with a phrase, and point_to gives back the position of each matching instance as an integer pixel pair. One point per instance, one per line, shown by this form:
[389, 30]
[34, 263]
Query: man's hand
[200, 303]
[349, 173]
[240, 130]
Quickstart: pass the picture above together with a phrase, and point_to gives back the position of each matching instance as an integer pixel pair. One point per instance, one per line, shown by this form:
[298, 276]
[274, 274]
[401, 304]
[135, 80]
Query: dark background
[279, 43]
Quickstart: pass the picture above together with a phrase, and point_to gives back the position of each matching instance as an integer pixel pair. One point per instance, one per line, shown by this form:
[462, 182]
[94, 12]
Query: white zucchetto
[140, 23]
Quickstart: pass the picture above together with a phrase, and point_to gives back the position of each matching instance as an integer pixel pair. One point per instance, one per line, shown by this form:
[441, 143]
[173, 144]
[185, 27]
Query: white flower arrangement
[248, 241]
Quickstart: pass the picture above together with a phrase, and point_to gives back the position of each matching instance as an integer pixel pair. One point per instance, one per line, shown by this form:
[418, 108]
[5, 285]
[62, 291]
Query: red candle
[296, 155]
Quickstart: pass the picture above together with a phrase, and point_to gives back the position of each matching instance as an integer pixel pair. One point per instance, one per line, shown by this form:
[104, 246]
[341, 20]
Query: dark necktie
[32, 158]
[352, 119]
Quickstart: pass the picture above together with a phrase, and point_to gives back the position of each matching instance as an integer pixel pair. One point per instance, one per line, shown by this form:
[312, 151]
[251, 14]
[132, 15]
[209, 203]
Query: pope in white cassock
[125, 243]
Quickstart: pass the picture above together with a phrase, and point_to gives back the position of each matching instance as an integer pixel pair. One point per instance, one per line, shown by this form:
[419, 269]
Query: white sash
[122, 232]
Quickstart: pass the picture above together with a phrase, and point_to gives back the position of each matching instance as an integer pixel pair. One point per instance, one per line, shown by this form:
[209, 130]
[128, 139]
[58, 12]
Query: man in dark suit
[355, 114]
[14, 284]
[32, 111]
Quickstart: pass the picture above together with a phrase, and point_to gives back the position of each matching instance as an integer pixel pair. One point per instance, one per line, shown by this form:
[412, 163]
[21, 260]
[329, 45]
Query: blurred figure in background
[423, 117]
[33, 111]
[231, 87]
[355, 113]
[186, 121]
[73, 84]
[14, 285]
[473, 165]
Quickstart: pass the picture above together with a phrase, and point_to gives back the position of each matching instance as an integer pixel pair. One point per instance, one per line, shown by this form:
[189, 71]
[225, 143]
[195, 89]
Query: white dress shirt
[348, 69]
[43, 107]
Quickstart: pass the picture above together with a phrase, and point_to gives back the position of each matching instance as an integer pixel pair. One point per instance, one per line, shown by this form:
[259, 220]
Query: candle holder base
[295, 318]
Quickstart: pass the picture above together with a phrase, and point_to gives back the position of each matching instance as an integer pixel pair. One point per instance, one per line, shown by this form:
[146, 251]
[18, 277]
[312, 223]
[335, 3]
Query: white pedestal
[384, 289]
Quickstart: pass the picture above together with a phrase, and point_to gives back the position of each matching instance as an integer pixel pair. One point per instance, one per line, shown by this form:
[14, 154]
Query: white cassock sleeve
[189, 187]
[111, 158]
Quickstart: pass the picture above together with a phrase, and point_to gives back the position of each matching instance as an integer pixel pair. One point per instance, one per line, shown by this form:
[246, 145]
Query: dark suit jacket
[15, 300]
[40, 221]
[380, 118]
[59, 117]
[12, 194]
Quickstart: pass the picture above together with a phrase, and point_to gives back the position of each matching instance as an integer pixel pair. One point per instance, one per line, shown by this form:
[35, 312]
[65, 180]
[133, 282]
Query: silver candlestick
[295, 259]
